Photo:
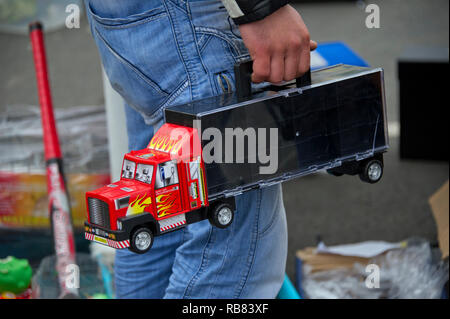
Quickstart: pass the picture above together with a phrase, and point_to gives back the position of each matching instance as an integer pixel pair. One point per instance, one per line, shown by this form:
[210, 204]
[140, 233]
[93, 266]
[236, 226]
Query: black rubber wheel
[221, 215]
[371, 171]
[141, 240]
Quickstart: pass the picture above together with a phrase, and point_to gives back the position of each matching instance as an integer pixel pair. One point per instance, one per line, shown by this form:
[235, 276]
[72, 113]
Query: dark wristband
[259, 11]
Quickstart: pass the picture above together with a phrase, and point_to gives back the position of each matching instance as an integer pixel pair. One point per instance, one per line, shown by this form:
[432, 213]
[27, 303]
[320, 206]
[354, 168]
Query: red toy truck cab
[162, 188]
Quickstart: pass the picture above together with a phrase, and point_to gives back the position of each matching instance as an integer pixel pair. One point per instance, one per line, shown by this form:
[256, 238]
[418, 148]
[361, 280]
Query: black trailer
[335, 120]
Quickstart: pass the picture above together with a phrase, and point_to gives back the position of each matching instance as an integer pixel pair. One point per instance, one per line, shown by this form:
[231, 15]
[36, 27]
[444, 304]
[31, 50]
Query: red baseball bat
[59, 207]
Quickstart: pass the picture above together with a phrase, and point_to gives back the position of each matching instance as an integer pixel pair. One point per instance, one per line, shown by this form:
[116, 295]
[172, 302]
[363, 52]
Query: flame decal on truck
[138, 205]
[164, 143]
[166, 204]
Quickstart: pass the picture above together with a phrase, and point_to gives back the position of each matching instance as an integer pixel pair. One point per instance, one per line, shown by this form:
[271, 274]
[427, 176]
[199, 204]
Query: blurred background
[411, 44]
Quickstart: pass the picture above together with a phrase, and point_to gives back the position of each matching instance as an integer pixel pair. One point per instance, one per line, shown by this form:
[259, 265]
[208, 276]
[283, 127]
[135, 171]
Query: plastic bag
[406, 273]
[412, 273]
[82, 135]
[338, 284]
[23, 191]
[45, 282]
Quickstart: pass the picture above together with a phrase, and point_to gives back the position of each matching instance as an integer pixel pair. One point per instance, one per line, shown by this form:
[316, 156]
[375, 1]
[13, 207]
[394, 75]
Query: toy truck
[191, 170]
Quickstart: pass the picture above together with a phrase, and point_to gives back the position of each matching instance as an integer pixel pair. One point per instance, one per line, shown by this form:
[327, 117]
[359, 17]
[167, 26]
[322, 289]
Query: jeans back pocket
[140, 57]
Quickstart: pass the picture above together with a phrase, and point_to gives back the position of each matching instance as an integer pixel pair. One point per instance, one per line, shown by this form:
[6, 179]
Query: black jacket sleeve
[245, 11]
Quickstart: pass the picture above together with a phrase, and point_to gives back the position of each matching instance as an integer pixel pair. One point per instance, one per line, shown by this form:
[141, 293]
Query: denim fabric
[164, 52]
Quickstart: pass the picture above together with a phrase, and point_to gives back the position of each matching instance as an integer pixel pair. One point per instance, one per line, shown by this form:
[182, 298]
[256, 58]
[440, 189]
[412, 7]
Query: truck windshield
[144, 173]
[128, 169]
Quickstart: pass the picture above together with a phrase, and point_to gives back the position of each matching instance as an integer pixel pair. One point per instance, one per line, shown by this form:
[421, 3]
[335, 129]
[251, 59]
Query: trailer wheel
[141, 240]
[371, 171]
[221, 215]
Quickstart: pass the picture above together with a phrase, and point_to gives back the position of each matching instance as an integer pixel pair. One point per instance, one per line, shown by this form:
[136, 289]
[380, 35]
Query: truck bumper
[111, 238]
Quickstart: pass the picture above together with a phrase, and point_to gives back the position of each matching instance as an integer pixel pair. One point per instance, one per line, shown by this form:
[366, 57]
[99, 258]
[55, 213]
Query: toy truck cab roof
[137, 175]
[147, 156]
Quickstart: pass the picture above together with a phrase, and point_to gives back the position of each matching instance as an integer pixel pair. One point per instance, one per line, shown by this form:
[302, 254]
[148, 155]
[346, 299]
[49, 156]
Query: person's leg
[246, 260]
[146, 276]
[120, 29]
[172, 53]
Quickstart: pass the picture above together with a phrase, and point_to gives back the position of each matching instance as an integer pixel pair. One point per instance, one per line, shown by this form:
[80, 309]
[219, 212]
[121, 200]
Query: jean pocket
[113, 20]
[140, 57]
[224, 82]
[219, 50]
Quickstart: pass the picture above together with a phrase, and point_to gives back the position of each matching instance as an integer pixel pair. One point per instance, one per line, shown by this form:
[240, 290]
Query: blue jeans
[164, 52]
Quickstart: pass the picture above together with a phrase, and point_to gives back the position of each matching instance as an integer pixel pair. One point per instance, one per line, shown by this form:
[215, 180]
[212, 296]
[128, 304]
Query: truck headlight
[119, 225]
[122, 202]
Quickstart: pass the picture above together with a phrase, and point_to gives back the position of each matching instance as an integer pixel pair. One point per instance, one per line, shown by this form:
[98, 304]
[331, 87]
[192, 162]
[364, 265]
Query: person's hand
[279, 46]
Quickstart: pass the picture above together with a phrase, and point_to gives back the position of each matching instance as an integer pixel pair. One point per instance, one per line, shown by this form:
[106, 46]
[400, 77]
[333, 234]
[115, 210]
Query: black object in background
[424, 100]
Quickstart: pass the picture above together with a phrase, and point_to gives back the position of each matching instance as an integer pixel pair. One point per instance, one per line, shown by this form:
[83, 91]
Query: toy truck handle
[243, 78]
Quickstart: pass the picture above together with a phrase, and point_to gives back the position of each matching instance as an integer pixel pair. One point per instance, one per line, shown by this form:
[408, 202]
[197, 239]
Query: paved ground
[342, 210]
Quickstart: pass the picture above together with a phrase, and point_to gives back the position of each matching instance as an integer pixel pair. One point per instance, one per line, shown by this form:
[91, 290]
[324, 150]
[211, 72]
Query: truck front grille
[98, 212]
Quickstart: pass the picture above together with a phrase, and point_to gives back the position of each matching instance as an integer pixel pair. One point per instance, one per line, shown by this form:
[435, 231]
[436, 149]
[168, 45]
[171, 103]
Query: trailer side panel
[339, 118]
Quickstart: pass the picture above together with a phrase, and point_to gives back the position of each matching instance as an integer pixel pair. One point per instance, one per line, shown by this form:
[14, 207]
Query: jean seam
[203, 264]
[242, 57]
[180, 47]
[180, 89]
[253, 246]
[135, 23]
[194, 34]
[160, 109]
[126, 63]
[128, 21]
[183, 237]
[149, 118]
[271, 223]
[221, 35]
[177, 5]
[203, 46]
[223, 260]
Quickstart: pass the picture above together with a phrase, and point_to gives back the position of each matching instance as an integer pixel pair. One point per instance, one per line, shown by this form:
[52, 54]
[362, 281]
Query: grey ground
[341, 210]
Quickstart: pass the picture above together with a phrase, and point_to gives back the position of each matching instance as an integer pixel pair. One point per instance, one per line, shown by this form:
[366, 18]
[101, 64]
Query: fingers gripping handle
[243, 78]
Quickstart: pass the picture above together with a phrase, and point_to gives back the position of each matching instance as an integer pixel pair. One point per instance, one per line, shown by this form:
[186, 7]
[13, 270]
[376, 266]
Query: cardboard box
[320, 262]
[439, 206]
